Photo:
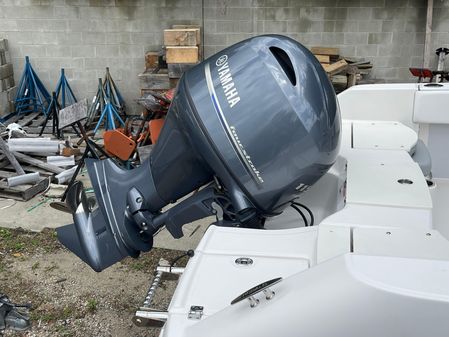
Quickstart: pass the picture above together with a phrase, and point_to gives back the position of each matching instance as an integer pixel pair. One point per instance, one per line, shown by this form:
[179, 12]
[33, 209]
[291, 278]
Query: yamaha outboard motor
[254, 125]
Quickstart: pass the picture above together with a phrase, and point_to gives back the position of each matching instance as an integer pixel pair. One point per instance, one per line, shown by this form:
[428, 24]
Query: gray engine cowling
[260, 116]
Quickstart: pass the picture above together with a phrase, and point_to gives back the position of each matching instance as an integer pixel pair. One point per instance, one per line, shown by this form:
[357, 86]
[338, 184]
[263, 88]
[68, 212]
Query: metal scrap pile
[29, 163]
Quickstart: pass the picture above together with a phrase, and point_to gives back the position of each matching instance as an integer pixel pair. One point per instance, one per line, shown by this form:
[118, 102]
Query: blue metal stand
[112, 92]
[110, 114]
[64, 90]
[31, 94]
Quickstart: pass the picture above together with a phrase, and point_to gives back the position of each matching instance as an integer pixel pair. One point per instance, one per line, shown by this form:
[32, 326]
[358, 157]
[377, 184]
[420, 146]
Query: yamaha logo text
[225, 76]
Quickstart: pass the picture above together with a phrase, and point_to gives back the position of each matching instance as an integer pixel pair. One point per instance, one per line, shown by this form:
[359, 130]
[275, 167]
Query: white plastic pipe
[44, 145]
[61, 160]
[29, 178]
[65, 175]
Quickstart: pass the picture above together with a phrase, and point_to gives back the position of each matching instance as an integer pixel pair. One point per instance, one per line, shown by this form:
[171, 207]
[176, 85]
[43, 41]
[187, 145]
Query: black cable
[312, 218]
[188, 253]
[306, 223]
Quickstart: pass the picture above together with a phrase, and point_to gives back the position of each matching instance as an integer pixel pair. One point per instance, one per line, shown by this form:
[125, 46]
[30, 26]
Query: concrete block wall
[85, 36]
[390, 33]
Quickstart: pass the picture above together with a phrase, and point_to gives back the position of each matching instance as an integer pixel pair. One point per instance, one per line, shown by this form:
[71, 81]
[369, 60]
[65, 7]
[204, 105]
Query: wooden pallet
[22, 192]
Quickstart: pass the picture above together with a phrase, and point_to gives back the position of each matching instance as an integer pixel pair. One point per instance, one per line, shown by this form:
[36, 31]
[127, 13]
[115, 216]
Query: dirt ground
[67, 297]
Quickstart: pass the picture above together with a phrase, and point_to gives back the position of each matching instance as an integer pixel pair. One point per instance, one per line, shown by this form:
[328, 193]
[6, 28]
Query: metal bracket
[196, 312]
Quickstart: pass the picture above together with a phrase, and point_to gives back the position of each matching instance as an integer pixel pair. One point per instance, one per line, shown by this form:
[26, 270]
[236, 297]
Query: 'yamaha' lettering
[225, 76]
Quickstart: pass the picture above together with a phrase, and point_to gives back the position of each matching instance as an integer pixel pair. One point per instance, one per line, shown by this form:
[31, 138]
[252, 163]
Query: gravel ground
[68, 298]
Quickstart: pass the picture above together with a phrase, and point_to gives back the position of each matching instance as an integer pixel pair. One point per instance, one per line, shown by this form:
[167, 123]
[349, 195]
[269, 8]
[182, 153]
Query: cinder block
[385, 73]
[359, 13]
[356, 38]
[3, 45]
[94, 38]
[348, 3]
[5, 104]
[310, 38]
[6, 83]
[216, 39]
[11, 93]
[277, 14]
[6, 71]
[370, 26]
[33, 51]
[275, 27]
[346, 26]
[332, 13]
[380, 38]
[2, 58]
[132, 50]
[107, 51]
[312, 13]
[83, 51]
[58, 51]
[332, 38]
[366, 50]
[223, 27]
[276, 3]
[8, 57]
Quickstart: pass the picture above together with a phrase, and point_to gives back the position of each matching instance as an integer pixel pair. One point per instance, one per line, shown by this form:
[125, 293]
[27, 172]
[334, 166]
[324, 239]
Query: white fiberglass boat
[377, 261]
[256, 129]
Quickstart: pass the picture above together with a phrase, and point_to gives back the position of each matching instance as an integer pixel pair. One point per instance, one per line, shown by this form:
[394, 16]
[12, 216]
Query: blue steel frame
[31, 94]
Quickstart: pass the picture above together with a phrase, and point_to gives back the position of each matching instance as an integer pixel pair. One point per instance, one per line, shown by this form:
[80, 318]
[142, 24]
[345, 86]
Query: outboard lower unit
[254, 125]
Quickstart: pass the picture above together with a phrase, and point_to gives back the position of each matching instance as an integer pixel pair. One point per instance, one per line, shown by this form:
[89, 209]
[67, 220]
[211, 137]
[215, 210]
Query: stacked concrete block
[7, 86]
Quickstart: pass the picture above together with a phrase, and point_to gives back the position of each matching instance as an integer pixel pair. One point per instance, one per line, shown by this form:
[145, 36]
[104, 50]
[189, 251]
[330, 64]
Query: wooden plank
[340, 80]
[149, 80]
[23, 192]
[30, 169]
[181, 37]
[182, 54]
[27, 119]
[48, 130]
[38, 121]
[325, 51]
[196, 27]
[72, 114]
[175, 70]
[36, 162]
[323, 58]
[336, 67]
[11, 157]
[354, 59]
[151, 60]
